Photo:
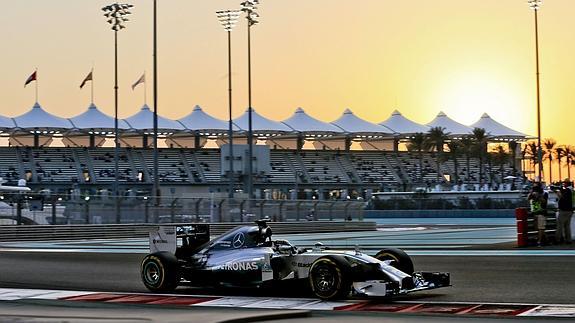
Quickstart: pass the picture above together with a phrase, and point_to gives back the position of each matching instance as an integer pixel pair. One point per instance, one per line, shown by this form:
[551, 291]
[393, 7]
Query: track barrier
[122, 231]
[521, 215]
[527, 227]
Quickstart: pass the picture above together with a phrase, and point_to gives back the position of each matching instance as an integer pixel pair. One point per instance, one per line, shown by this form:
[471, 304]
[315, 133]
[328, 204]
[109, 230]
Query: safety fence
[37, 209]
[460, 203]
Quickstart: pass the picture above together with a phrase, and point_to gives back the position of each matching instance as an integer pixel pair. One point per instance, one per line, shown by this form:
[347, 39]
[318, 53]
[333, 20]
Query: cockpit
[243, 237]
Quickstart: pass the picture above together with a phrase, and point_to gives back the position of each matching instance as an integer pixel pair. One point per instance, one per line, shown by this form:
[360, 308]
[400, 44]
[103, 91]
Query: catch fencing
[37, 209]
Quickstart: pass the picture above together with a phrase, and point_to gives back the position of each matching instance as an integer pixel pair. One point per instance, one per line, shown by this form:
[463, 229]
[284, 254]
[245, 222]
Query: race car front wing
[418, 281]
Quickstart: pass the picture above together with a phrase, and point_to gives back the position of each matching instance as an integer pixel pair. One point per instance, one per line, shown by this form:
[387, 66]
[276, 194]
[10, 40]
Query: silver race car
[247, 256]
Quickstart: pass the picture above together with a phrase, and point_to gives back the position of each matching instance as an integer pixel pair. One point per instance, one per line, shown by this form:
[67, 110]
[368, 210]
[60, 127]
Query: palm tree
[480, 138]
[512, 153]
[501, 157]
[524, 153]
[532, 151]
[569, 154]
[418, 143]
[489, 158]
[467, 149]
[455, 150]
[559, 154]
[436, 138]
[548, 145]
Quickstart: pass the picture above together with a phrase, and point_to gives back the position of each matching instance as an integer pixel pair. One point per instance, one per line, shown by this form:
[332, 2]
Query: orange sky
[460, 56]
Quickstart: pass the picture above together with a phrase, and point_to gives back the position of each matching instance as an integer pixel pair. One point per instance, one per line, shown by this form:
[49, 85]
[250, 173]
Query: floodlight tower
[536, 5]
[228, 19]
[116, 14]
[250, 7]
[156, 185]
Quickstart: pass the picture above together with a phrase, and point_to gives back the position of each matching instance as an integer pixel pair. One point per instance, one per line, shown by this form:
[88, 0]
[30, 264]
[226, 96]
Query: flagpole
[36, 81]
[92, 86]
[145, 90]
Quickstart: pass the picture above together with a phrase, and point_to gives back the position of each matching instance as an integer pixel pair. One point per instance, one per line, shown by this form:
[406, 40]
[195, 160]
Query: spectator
[538, 201]
[565, 195]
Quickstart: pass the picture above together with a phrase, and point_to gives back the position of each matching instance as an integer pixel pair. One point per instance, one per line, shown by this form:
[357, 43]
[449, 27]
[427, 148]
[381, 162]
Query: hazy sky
[418, 56]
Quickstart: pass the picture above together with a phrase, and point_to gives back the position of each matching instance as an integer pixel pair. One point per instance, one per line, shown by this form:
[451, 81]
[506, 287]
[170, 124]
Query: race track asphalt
[514, 279]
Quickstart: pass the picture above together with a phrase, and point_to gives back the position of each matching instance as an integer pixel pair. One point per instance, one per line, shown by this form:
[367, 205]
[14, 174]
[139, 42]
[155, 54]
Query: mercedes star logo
[238, 240]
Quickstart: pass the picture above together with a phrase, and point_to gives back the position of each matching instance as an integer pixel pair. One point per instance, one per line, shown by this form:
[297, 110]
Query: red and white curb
[8, 294]
[455, 308]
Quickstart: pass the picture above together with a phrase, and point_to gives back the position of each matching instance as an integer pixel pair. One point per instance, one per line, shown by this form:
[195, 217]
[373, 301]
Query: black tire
[329, 278]
[400, 259]
[160, 272]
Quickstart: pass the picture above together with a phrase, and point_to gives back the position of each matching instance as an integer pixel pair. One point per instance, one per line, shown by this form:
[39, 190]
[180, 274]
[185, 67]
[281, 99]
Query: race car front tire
[330, 278]
[160, 272]
[400, 259]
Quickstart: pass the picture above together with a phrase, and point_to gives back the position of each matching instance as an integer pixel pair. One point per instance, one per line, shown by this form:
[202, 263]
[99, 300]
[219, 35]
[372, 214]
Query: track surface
[485, 268]
[515, 279]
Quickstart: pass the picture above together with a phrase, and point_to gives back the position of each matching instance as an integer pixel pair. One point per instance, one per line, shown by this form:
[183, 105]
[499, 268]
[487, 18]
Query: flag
[30, 78]
[142, 79]
[88, 78]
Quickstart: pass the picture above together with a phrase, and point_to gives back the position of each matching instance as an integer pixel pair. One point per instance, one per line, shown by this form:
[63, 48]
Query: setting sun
[469, 95]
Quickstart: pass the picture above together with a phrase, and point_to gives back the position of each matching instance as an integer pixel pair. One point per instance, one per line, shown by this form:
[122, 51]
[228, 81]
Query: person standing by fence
[565, 213]
[538, 201]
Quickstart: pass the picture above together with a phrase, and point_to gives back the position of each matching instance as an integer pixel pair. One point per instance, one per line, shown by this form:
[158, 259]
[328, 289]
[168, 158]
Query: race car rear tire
[160, 272]
[400, 259]
[330, 278]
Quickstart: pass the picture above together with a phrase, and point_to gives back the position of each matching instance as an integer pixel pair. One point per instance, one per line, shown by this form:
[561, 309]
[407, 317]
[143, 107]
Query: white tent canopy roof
[496, 129]
[400, 124]
[198, 120]
[450, 126]
[96, 119]
[303, 122]
[352, 124]
[38, 118]
[144, 120]
[260, 123]
[40, 121]
[6, 123]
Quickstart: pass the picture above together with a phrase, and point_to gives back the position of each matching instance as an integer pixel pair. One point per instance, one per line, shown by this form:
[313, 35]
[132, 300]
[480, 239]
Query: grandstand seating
[462, 169]
[53, 165]
[372, 168]
[297, 166]
[10, 169]
[209, 162]
[170, 165]
[191, 163]
[322, 167]
[103, 165]
[281, 172]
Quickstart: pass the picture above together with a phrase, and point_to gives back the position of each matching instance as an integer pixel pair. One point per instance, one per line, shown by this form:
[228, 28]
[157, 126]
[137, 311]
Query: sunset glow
[417, 56]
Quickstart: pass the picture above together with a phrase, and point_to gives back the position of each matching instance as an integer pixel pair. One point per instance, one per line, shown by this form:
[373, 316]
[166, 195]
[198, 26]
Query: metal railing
[38, 209]
[485, 203]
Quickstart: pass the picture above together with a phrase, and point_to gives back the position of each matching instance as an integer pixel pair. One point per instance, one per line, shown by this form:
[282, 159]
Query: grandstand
[60, 154]
[92, 168]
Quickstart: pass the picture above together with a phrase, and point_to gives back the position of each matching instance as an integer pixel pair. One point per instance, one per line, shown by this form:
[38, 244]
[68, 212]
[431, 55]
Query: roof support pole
[347, 143]
[300, 142]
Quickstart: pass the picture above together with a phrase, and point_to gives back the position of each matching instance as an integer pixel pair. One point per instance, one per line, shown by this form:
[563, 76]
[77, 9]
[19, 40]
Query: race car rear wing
[179, 239]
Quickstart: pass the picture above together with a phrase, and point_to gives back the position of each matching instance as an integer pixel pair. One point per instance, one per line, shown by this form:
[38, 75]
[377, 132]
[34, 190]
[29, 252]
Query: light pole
[535, 5]
[156, 186]
[228, 19]
[116, 17]
[249, 7]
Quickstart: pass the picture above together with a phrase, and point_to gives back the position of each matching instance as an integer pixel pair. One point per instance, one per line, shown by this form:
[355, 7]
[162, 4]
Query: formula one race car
[248, 257]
